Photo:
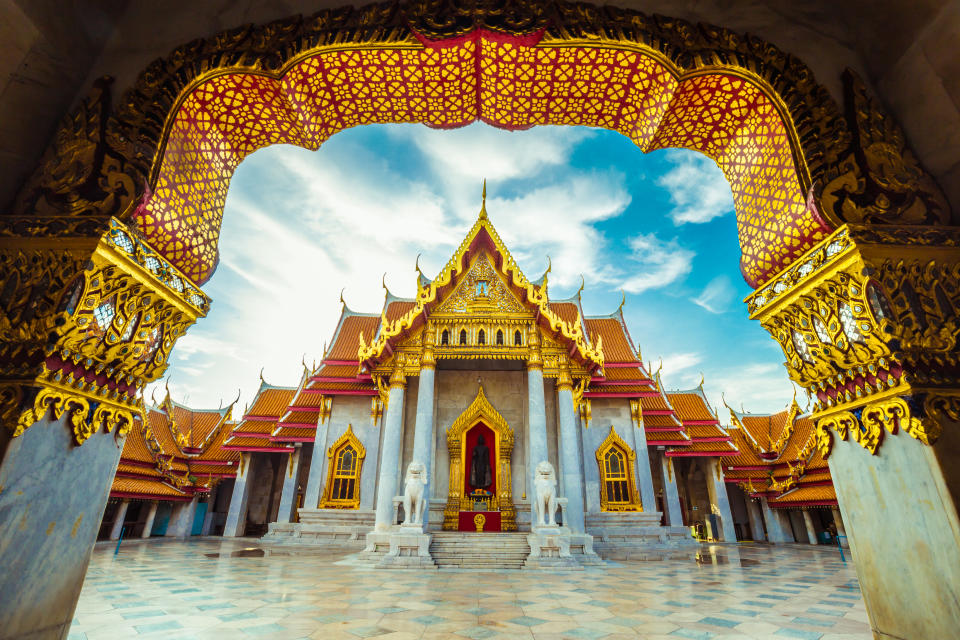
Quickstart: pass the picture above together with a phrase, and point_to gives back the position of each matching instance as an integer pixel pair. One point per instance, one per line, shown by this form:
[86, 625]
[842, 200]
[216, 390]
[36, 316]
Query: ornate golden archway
[480, 410]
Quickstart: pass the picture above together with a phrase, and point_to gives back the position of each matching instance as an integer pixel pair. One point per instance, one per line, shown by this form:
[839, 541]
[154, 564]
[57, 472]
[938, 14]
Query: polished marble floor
[213, 589]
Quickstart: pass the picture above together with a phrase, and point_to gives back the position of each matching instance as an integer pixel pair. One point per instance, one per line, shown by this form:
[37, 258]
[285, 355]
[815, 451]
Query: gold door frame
[480, 410]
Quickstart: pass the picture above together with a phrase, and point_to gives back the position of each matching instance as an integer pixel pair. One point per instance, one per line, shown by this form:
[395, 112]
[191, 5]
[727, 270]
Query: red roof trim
[255, 418]
[711, 439]
[332, 379]
[298, 425]
[701, 423]
[347, 392]
[258, 449]
[292, 439]
[250, 434]
[671, 443]
[634, 394]
[603, 382]
[692, 454]
[149, 496]
[334, 363]
[803, 503]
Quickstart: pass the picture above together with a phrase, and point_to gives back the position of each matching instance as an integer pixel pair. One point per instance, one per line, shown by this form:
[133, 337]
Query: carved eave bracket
[868, 323]
[88, 314]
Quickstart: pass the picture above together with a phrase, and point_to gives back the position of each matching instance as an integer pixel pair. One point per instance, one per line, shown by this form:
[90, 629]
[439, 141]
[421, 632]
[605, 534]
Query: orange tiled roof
[293, 432]
[301, 417]
[145, 487]
[626, 373]
[691, 406]
[338, 371]
[568, 312]
[662, 421]
[616, 347]
[822, 493]
[396, 309]
[348, 336]
[271, 401]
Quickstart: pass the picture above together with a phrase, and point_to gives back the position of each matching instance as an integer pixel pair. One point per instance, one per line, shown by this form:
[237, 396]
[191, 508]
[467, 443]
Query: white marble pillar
[390, 451]
[756, 523]
[719, 501]
[181, 520]
[318, 461]
[811, 529]
[118, 520]
[671, 496]
[648, 497]
[237, 514]
[775, 531]
[838, 523]
[288, 494]
[572, 474]
[423, 428]
[151, 516]
[536, 414]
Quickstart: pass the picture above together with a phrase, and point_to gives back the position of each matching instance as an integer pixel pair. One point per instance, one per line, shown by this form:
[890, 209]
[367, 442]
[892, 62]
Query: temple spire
[483, 204]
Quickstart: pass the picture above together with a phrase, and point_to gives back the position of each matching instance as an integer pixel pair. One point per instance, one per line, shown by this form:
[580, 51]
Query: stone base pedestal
[559, 548]
[322, 528]
[408, 548]
[638, 536]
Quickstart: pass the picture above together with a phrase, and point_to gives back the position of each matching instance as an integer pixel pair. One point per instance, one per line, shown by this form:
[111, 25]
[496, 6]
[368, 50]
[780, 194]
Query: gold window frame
[614, 441]
[347, 439]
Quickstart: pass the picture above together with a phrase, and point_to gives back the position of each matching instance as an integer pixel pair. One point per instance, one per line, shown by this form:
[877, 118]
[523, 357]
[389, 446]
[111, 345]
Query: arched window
[517, 338]
[345, 460]
[445, 337]
[499, 337]
[481, 337]
[618, 492]
[463, 336]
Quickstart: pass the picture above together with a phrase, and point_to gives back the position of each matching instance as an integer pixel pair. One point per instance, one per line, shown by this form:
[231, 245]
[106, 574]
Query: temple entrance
[479, 481]
[480, 498]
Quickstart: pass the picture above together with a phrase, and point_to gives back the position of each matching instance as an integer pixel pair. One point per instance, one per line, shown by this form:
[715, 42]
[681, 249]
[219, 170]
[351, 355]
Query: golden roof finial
[341, 296]
[623, 301]
[483, 203]
[261, 376]
[701, 380]
[583, 283]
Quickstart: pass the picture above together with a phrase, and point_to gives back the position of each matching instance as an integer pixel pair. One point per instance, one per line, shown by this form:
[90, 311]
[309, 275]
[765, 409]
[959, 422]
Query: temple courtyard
[227, 589]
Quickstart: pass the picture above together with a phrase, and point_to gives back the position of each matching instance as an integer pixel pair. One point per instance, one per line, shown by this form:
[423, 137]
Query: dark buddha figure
[480, 465]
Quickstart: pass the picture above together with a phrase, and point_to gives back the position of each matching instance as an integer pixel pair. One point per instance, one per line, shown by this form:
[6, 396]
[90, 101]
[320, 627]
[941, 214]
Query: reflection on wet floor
[221, 589]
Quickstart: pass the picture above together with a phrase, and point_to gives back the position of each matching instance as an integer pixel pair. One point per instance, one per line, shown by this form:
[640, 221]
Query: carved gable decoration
[482, 290]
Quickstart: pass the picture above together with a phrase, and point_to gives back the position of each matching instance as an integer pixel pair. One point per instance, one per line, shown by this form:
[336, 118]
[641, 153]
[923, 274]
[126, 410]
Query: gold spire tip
[483, 202]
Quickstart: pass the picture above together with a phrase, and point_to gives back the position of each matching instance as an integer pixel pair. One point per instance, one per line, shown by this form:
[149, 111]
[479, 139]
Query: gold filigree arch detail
[480, 410]
[330, 500]
[631, 499]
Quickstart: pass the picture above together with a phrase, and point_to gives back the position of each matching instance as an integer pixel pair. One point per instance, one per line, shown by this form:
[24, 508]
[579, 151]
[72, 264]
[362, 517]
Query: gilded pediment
[481, 291]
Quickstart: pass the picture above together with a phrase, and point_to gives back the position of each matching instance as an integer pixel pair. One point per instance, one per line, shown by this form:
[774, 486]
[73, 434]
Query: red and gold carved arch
[499, 80]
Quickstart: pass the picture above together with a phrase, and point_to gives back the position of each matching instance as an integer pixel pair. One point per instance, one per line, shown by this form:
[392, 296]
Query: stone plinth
[408, 547]
[560, 548]
[632, 535]
[323, 527]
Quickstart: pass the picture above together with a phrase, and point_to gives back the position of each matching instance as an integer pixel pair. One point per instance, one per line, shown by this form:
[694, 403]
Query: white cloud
[716, 296]
[698, 189]
[658, 263]
[675, 363]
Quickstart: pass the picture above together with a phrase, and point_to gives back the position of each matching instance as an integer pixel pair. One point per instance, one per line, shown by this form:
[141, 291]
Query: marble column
[423, 428]
[288, 495]
[719, 501]
[811, 529]
[536, 415]
[237, 514]
[572, 474]
[648, 496]
[671, 496]
[838, 523]
[318, 461]
[151, 516]
[118, 520]
[51, 508]
[775, 531]
[756, 523]
[181, 520]
[390, 451]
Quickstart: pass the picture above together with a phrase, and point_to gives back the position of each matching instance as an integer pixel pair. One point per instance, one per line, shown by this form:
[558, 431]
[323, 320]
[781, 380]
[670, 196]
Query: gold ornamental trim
[327, 501]
[614, 441]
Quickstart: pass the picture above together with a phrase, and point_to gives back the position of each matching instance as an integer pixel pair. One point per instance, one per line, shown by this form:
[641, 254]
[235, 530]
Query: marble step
[452, 549]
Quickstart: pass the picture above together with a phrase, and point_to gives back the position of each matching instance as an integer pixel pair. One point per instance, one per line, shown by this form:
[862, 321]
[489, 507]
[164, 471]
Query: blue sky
[300, 225]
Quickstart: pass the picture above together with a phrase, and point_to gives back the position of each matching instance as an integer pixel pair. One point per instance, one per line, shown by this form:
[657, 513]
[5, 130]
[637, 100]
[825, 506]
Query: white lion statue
[545, 484]
[413, 498]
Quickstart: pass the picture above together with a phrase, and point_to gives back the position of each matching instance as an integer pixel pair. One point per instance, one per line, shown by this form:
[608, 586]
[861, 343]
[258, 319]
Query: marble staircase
[460, 550]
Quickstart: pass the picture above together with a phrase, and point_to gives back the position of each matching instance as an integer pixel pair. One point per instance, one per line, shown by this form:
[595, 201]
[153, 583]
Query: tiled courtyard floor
[198, 589]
